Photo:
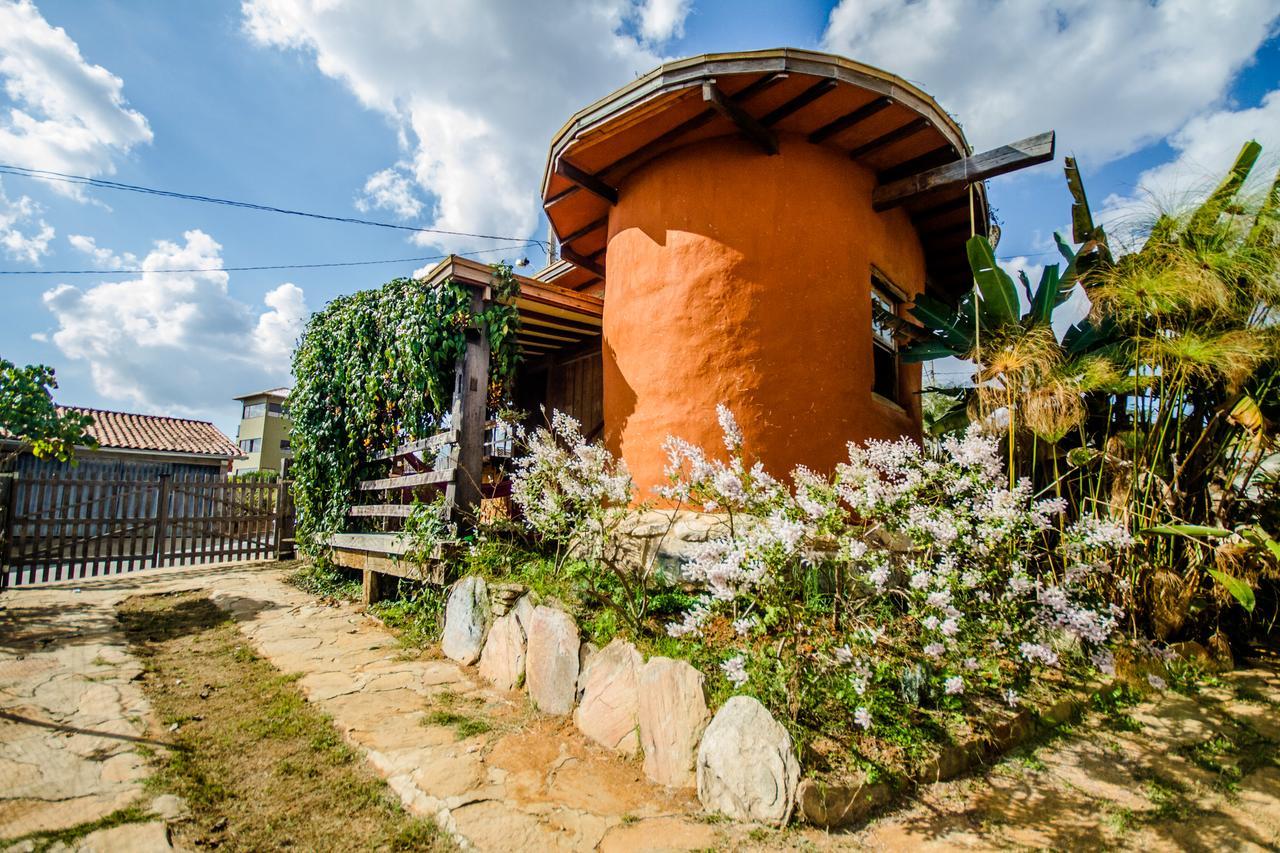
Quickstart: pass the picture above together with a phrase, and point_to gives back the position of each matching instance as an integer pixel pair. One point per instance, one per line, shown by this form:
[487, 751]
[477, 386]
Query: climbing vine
[376, 368]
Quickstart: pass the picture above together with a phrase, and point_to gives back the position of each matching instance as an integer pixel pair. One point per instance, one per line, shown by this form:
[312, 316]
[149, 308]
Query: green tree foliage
[28, 414]
[1161, 406]
[375, 369]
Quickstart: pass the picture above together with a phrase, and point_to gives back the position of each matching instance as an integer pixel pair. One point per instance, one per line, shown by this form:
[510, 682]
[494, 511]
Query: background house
[264, 430]
[135, 447]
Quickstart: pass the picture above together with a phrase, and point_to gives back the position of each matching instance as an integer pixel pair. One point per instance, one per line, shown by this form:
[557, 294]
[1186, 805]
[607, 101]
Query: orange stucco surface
[742, 278]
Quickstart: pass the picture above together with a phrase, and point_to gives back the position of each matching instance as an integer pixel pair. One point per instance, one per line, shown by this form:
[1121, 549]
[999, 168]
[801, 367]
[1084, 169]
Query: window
[254, 410]
[284, 444]
[884, 343]
[251, 445]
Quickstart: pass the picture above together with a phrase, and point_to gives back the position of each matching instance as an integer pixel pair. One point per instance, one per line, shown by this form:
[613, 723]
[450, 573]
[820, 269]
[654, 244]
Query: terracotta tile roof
[128, 431]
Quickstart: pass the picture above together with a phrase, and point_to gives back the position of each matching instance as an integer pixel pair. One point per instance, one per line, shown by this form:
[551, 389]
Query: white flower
[1011, 697]
[735, 669]
[843, 654]
[1157, 682]
[935, 650]
[744, 625]
[950, 627]
[859, 684]
[971, 664]
[863, 718]
[953, 686]
[729, 426]
[1032, 652]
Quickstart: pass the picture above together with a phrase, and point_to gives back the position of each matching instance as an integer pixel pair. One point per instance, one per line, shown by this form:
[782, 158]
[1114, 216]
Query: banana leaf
[1207, 214]
[999, 294]
[941, 319]
[1240, 590]
[953, 419]
[1047, 296]
[927, 351]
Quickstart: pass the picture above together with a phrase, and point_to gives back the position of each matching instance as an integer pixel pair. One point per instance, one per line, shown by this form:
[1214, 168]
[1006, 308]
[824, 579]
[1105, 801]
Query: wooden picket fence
[72, 528]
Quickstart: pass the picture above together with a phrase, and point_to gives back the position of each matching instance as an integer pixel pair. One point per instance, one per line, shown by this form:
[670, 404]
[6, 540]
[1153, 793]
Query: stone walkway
[73, 721]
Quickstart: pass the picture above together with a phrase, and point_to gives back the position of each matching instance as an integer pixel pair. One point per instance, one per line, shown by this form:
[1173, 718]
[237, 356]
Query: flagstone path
[72, 722]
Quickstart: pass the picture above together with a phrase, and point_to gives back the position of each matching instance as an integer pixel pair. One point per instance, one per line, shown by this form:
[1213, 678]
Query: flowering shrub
[573, 493]
[902, 583]
[864, 608]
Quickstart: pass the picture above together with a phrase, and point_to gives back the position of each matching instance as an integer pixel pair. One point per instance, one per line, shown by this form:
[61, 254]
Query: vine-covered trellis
[378, 367]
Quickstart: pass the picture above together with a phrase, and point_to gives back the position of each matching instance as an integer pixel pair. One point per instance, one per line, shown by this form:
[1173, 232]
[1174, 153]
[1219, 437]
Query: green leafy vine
[375, 369]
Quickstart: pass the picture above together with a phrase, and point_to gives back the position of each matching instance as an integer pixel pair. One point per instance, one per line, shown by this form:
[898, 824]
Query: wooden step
[408, 481]
[382, 510]
[440, 439]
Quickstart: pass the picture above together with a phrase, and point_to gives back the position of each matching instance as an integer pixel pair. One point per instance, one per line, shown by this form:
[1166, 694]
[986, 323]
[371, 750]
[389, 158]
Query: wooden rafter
[848, 120]
[746, 123]
[979, 167]
[939, 156]
[581, 261]
[586, 229]
[907, 130]
[535, 318]
[587, 181]
[941, 209]
[799, 102]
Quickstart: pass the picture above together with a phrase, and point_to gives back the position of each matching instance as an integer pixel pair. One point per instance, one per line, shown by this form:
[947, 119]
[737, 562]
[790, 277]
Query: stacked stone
[742, 762]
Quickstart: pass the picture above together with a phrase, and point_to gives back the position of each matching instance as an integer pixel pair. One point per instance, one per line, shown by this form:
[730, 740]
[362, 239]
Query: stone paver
[535, 782]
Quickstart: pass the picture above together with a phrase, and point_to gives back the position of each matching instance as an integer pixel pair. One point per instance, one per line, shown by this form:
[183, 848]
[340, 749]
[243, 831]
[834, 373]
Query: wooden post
[162, 521]
[470, 413]
[282, 492]
[375, 587]
[8, 489]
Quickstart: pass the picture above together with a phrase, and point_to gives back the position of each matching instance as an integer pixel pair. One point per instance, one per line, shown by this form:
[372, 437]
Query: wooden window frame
[884, 291]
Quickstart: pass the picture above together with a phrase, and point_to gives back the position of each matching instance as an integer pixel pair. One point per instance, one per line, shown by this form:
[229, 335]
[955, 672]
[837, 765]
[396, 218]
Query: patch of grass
[417, 615]
[1232, 754]
[325, 581]
[1112, 704]
[259, 767]
[464, 725]
[42, 841]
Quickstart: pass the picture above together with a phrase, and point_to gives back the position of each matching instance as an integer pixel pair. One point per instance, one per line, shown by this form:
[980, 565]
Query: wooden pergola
[556, 325]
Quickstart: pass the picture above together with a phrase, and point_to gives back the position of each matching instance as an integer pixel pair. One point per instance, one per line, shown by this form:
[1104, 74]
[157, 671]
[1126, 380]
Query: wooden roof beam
[906, 131]
[939, 156]
[586, 229]
[756, 132]
[587, 181]
[581, 261]
[799, 102]
[848, 120]
[979, 167]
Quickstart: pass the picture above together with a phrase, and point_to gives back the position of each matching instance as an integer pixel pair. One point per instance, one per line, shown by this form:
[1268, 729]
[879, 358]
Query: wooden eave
[552, 317]
[886, 123]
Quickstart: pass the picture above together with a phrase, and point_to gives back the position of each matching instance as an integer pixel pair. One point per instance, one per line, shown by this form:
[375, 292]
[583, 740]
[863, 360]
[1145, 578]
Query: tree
[28, 414]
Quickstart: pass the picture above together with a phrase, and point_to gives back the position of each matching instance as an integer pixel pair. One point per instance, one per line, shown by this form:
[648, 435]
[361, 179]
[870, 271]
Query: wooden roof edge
[690, 71]
[478, 274]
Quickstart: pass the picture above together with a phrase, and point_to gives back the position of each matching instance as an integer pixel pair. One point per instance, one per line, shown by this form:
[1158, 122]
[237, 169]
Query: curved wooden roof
[882, 121]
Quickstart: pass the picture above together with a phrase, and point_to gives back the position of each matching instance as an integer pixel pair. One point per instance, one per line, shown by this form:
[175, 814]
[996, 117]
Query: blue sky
[439, 115]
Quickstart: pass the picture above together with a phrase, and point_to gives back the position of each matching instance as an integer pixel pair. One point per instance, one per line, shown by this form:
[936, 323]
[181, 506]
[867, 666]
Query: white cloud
[177, 342]
[31, 241]
[1205, 149]
[1109, 77]
[664, 19]
[390, 189]
[278, 329]
[102, 257]
[475, 90]
[65, 114]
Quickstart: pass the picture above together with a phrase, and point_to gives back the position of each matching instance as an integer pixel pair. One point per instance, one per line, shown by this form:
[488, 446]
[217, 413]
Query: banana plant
[1262, 542]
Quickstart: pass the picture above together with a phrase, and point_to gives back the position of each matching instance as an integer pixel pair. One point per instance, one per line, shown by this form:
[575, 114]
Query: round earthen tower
[726, 208]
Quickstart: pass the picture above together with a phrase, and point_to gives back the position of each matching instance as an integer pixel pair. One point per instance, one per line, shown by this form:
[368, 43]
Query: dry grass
[259, 767]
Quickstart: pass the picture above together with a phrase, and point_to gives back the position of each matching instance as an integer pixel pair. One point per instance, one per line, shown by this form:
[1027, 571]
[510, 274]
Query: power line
[525, 245]
[62, 177]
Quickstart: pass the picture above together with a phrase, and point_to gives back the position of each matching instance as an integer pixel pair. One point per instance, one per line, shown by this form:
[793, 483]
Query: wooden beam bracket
[581, 261]
[756, 132]
[587, 181]
[979, 167]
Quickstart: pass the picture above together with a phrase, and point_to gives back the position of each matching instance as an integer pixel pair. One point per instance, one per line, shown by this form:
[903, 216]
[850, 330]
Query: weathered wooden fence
[71, 528]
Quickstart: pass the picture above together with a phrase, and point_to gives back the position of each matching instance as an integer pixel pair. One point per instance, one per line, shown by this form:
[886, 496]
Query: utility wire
[525, 245]
[62, 177]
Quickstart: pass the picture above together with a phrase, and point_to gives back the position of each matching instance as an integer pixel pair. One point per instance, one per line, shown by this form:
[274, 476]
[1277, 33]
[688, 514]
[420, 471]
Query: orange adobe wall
[742, 278]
